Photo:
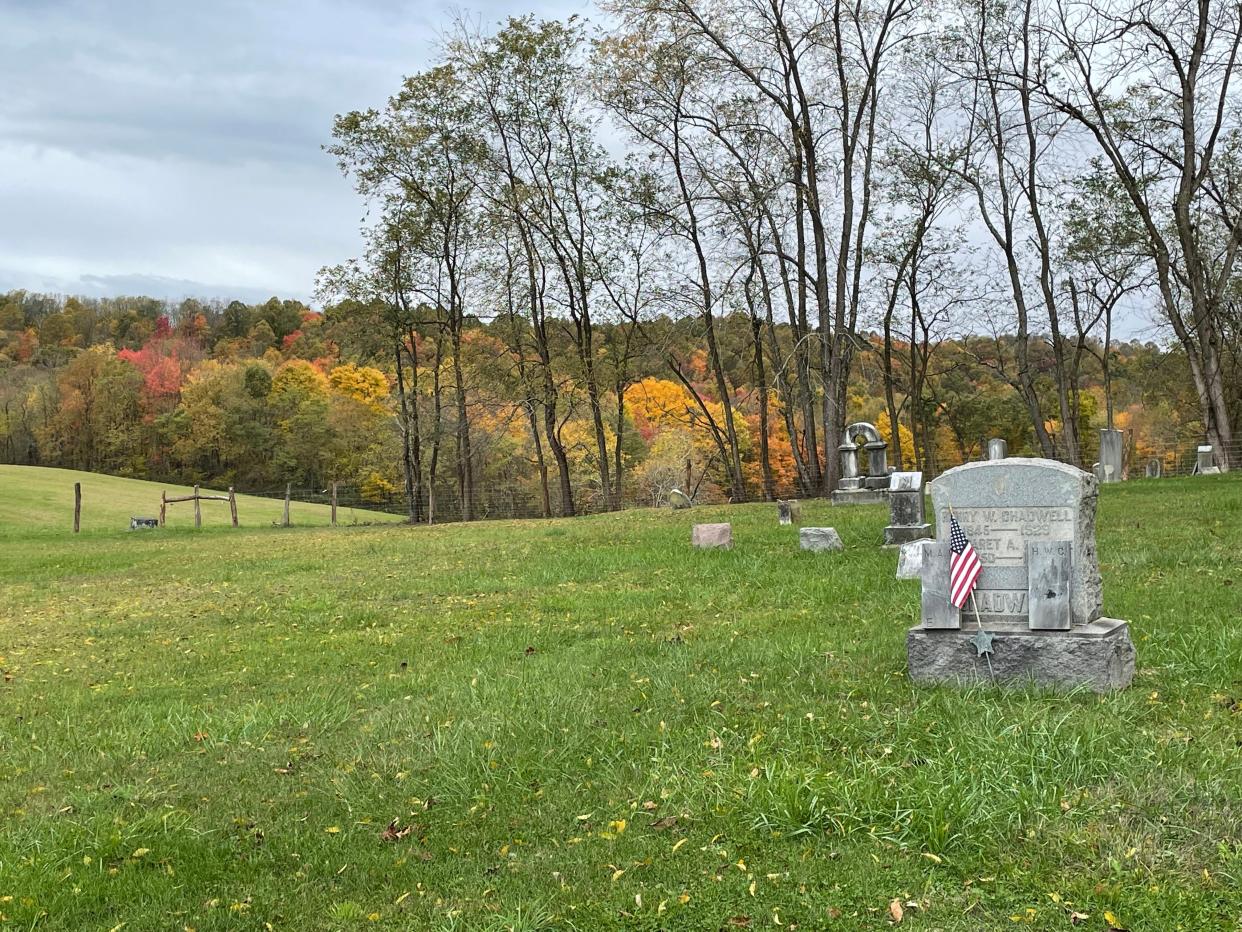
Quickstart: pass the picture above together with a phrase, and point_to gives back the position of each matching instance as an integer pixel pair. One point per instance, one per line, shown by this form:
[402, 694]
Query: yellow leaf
[1110, 918]
[678, 845]
[617, 825]
[333, 829]
[616, 875]
[140, 852]
[931, 857]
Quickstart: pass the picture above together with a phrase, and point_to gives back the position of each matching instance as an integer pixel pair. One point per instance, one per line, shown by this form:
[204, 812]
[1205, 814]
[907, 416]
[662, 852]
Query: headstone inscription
[1111, 453]
[998, 448]
[906, 520]
[712, 536]
[1035, 613]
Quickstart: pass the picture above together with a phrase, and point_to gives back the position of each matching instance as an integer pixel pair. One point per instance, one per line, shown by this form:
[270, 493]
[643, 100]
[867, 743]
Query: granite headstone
[906, 520]
[1039, 595]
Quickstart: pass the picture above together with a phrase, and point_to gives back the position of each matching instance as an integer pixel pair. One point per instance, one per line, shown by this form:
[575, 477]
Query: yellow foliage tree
[364, 384]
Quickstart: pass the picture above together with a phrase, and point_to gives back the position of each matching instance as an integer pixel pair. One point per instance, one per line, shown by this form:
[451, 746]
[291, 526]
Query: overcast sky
[173, 149]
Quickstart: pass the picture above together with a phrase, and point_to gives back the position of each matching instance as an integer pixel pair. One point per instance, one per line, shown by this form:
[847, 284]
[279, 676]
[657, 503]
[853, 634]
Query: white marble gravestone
[1039, 596]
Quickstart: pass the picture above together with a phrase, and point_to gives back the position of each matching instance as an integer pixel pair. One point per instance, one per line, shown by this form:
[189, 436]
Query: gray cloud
[180, 143]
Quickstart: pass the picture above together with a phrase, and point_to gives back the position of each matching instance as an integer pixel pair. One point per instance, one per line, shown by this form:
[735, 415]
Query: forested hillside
[257, 396]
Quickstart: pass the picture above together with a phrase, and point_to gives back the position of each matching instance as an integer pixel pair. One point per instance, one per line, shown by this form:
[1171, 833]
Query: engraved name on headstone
[1032, 522]
[1004, 505]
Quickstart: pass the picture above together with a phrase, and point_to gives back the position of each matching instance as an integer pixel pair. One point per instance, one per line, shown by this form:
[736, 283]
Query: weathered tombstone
[1205, 461]
[1155, 469]
[906, 520]
[1111, 453]
[679, 499]
[784, 511]
[854, 489]
[1035, 614]
[910, 559]
[143, 524]
[998, 448]
[712, 536]
[819, 539]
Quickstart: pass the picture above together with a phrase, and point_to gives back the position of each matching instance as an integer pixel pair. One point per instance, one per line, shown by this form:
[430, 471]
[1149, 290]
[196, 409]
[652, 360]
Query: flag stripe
[964, 565]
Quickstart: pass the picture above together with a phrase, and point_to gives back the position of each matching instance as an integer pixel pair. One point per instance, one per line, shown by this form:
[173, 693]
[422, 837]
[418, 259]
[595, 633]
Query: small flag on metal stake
[964, 565]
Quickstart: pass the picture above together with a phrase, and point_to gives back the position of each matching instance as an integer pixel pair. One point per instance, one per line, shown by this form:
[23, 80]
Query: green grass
[34, 499]
[587, 725]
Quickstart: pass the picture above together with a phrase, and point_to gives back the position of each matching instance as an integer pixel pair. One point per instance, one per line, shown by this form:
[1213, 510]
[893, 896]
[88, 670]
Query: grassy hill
[584, 724]
[33, 497]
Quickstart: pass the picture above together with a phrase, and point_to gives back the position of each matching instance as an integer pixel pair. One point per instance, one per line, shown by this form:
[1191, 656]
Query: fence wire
[495, 502]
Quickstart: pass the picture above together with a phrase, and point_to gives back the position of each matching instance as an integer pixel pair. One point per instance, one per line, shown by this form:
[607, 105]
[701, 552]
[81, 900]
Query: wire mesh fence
[494, 501]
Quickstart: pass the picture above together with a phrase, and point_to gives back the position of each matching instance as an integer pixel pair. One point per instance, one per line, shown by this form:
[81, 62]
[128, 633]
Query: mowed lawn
[584, 724]
[34, 499]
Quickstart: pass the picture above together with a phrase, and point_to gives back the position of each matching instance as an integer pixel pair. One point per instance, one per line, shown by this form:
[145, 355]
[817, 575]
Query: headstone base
[896, 535]
[1098, 656]
[859, 497]
[1210, 471]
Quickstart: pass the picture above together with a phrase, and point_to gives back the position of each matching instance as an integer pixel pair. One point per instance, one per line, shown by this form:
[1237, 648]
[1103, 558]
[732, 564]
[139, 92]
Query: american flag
[964, 565]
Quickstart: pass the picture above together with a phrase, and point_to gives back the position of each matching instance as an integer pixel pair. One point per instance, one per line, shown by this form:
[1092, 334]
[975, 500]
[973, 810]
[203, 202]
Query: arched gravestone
[855, 488]
[1036, 611]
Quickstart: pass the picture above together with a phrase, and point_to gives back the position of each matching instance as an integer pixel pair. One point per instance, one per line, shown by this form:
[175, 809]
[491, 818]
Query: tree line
[716, 234]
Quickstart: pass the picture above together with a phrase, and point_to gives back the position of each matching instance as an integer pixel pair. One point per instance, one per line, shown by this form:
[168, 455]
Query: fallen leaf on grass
[649, 806]
[667, 822]
[896, 912]
[740, 922]
[1077, 917]
[392, 833]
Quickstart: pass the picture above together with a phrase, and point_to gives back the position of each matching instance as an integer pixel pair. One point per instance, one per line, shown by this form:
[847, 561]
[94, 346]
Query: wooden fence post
[163, 506]
[288, 495]
[77, 507]
[198, 509]
[233, 505]
[334, 504]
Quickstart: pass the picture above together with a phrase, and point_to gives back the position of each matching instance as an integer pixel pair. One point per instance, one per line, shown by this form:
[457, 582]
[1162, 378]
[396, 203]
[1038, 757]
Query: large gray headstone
[1111, 452]
[1002, 506]
[1032, 522]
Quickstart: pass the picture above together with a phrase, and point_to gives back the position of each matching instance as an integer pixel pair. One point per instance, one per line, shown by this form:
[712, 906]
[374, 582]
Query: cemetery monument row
[1034, 613]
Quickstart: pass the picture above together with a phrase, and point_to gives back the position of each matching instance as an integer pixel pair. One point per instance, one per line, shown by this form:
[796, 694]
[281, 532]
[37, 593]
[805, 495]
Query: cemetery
[596, 724]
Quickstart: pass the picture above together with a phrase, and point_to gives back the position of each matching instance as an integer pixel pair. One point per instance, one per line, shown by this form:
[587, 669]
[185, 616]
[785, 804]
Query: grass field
[586, 725]
[33, 500]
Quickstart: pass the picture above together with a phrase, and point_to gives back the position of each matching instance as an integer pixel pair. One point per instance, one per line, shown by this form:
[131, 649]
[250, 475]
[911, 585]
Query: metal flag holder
[982, 640]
